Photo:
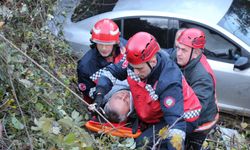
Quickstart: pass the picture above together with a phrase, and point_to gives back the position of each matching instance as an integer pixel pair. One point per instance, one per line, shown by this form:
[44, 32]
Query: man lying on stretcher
[119, 111]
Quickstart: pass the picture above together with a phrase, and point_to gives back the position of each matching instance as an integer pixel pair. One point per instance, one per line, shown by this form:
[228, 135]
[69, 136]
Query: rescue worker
[156, 85]
[105, 49]
[199, 75]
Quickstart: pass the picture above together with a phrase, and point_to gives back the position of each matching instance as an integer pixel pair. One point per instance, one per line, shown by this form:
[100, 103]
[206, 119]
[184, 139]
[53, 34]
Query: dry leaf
[163, 132]
[1, 24]
[205, 145]
[243, 125]
[176, 141]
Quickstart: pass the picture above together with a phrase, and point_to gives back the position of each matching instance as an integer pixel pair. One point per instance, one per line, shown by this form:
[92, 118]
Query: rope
[39, 66]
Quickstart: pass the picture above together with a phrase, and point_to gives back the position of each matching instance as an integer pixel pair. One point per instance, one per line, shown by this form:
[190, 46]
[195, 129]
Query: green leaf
[77, 117]
[18, 59]
[26, 83]
[6, 12]
[59, 139]
[36, 122]
[75, 114]
[45, 124]
[17, 124]
[39, 106]
[11, 69]
[89, 148]
[70, 138]
[50, 17]
[24, 8]
[61, 111]
[56, 130]
[35, 128]
[66, 122]
[128, 143]
[24, 46]
[53, 95]
[86, 117]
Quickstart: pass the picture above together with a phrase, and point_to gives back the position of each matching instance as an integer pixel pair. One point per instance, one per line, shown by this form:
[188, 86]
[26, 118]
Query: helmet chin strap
[191, 54]
[150, 71]
[149, 65]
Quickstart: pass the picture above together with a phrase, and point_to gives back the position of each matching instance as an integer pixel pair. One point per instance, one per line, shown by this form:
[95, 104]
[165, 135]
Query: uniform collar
[155, 72]
[192, 63]
[131, 107]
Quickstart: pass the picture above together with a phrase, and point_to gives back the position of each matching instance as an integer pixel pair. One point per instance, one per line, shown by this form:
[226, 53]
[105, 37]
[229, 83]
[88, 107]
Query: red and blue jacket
[89, 69]
[201, 78]
[159, 98]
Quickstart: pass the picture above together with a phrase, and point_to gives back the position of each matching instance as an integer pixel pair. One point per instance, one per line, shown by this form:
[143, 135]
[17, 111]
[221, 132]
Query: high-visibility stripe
[207, 125]
[109, 75]
[192, 114]
[97, 74]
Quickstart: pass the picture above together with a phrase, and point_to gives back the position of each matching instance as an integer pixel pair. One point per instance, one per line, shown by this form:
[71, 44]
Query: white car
[225, 22]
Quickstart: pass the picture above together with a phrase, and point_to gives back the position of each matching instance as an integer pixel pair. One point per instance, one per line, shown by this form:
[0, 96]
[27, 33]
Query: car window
[236, 20]
[217, 47]
[88, 9]
[162, 29]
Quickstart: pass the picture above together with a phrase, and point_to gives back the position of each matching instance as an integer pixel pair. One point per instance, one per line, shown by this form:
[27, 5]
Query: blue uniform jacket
[168, 89]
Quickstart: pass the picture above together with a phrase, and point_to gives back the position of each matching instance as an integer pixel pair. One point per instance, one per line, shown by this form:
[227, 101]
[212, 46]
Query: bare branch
[62, 84]
[20, 109]
[160, 138]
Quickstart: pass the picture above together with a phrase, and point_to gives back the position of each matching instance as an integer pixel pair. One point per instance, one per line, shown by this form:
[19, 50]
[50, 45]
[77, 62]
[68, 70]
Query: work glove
[99, 100]
[97, 105]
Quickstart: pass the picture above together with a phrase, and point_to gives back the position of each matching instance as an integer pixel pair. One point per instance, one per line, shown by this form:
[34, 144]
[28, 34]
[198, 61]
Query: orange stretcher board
[119, 130]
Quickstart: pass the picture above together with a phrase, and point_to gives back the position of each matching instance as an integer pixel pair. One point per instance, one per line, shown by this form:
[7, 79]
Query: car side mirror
[241, 63]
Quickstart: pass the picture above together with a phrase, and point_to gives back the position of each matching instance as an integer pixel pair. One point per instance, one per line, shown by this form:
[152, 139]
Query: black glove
[135, 125]
[99, 100]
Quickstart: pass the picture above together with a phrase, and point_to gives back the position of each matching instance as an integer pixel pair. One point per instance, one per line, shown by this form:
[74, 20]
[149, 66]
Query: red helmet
[105, 31]
[141, 47]
[192, 37]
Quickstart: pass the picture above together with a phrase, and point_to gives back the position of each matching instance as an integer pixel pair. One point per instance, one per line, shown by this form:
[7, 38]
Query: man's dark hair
[112, 115]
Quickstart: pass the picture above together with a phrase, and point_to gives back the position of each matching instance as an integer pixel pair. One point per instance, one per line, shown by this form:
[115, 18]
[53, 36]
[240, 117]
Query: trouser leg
[195, 140]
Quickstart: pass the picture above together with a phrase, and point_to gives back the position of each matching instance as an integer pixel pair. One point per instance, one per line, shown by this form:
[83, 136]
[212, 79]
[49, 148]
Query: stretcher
[120, 130]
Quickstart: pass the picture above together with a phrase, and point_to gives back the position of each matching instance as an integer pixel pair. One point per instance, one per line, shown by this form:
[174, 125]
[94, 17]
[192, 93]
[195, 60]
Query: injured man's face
[119, 106]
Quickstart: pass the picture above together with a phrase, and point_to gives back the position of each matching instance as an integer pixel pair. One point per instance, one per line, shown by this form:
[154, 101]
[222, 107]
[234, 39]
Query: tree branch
[160, 139]
[62, 84]
[19, 107]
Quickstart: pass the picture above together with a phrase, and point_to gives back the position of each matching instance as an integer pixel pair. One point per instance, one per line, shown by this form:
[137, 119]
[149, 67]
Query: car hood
[210, 10]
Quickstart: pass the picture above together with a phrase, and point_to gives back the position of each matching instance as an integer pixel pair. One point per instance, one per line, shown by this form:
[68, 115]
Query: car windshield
[236, 20]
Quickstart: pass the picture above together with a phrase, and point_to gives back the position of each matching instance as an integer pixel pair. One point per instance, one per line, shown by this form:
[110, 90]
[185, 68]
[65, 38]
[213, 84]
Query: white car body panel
[195, 8]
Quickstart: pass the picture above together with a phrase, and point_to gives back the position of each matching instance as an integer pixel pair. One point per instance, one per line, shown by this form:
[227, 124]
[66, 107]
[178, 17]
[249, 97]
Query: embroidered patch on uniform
[82, 86]
[169, 101]
[125, 64]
